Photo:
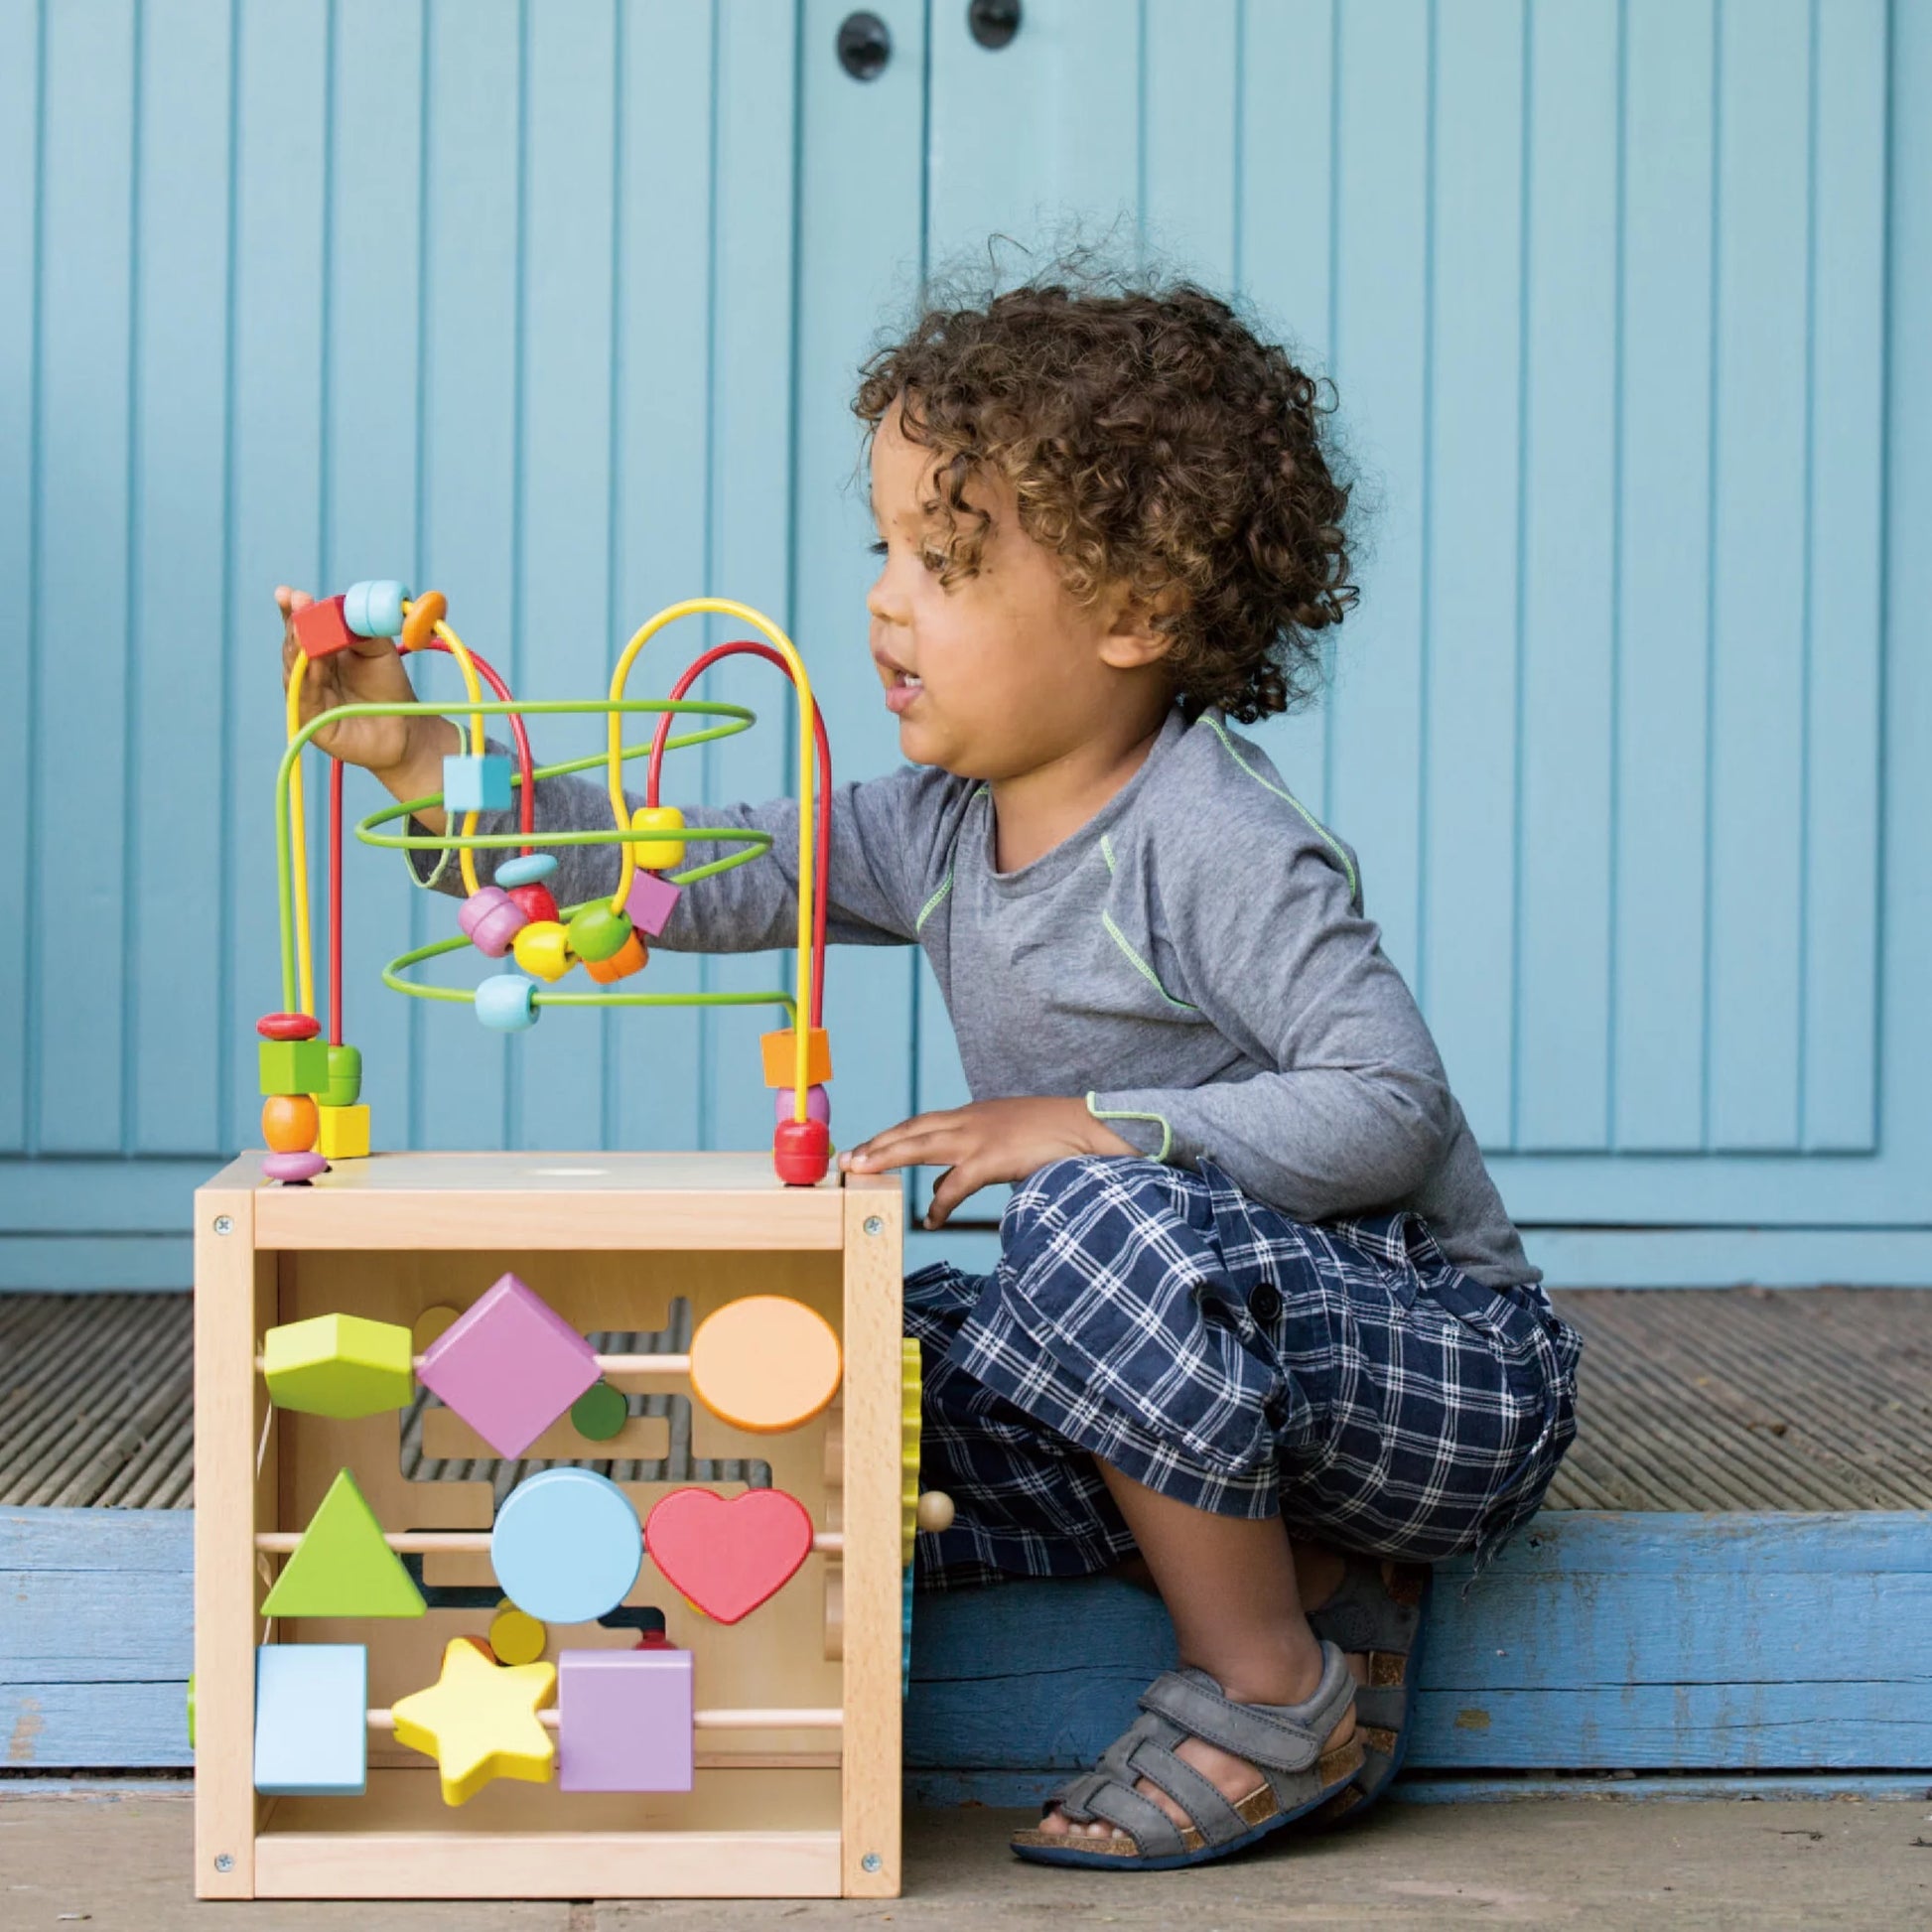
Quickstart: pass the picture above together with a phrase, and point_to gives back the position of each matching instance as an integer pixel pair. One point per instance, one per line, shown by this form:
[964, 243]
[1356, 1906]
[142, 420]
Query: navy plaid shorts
[1347, 1376]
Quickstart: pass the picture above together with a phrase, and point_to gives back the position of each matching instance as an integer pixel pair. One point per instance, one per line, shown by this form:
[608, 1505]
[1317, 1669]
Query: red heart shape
[728, 1556]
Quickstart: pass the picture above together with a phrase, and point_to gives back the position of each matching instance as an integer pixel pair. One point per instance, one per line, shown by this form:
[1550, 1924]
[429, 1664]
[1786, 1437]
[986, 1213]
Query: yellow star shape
[478, 1720]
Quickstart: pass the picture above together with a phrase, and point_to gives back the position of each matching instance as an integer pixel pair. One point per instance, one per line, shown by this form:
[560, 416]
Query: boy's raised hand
[984, 1142]
[368, 672]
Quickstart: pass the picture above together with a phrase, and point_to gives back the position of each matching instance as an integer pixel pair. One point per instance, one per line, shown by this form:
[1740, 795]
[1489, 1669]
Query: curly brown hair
[1153, 440]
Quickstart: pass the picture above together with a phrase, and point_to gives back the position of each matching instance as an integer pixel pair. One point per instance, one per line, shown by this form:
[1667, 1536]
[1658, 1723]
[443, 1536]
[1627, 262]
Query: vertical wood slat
[1758, 560]
[1568, 524]
[1189, 89]
[20, 125]
[179, 475]
[1663, 577]
[1379, 356]
[1465, 977]
[75, 797]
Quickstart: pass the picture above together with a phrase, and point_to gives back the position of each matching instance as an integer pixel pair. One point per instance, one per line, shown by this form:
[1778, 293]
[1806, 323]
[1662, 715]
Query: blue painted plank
[275, 454]
[83, 1264]
[1189, 129]
[1285, 218]
[1568, 525]
[1464, 974]
[1839, 975]
[77, 1039]
[859, 241]
[111, 1541]
[371, 465]
[469, 509]
[20, 127]
[178, 473]
[1380, 356]
[95, 1727]
[1758, 560]
[1663, 580]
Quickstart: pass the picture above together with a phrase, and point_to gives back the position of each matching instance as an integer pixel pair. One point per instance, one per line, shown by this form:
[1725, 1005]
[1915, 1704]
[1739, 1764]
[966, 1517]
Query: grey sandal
[1381, 1614]
[1287, 1742]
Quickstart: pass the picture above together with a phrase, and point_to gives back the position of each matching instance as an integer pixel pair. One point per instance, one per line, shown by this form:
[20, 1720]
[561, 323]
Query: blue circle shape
[567, 1546]
[527, 868]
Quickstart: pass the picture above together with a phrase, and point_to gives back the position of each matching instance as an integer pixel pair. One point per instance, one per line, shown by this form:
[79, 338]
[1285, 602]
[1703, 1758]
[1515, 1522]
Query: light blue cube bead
[527, 868]
[506, 1002]
[374, 610]
[312, 1716]
[476, 782]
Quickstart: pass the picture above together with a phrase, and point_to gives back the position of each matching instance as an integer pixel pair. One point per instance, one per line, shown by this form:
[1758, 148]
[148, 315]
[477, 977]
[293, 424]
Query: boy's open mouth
[903, 687]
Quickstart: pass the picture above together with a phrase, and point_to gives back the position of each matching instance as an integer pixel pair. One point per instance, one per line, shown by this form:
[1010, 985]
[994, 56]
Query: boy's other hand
[984, 1142]
[371, 671]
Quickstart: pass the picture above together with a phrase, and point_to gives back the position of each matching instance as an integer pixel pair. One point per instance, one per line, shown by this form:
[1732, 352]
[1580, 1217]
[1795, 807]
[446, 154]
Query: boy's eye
[880, 548]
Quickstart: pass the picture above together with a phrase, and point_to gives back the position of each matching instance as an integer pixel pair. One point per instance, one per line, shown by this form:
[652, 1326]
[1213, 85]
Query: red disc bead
[288, 1026]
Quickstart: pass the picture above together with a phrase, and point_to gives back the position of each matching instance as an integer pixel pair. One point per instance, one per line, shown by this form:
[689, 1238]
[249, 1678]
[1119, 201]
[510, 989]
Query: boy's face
[1005, 672]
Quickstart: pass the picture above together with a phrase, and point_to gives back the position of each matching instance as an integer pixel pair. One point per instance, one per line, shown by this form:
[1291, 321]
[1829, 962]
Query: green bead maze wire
[731, 718]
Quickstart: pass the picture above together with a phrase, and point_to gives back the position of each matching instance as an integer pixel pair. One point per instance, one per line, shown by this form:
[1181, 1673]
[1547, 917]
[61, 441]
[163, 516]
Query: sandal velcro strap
[1263, 1733]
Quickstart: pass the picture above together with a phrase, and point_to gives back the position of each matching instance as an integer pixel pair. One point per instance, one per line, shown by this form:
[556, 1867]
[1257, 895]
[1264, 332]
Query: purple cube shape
[510, 1368]
[650, 900]
[624, 1719]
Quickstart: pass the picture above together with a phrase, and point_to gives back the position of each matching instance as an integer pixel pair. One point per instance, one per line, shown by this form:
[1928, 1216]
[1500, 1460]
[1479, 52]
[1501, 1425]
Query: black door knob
[864, 46]
[993, 22]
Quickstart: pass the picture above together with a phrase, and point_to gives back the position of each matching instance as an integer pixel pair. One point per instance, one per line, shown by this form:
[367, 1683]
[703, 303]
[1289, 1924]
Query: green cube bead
[340, 1365]
[344, 1086]
[294, 1065]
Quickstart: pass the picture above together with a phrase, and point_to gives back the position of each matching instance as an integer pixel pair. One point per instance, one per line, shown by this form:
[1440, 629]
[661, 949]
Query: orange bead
[425, 614]
[290, 1122]
[631, 957]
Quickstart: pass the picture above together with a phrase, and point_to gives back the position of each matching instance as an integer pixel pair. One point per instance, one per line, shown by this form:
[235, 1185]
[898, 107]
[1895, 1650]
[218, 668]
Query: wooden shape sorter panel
[613, 1243]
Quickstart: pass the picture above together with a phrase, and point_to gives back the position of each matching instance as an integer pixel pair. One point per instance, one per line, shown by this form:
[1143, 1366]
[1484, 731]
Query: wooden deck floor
[1693, 1399]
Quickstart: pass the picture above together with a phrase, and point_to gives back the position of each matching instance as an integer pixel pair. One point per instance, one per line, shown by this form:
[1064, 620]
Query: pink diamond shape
[510, 1368]
[650, 902]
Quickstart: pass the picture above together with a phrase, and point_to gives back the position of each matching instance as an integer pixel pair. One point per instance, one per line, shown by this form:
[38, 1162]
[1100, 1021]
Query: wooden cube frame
[607, 1239]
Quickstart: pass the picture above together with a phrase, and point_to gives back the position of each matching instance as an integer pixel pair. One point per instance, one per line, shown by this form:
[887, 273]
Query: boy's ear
[1135, 638]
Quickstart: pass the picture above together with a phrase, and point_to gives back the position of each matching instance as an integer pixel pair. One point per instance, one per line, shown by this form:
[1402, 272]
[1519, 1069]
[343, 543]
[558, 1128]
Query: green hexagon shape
[340, 1365]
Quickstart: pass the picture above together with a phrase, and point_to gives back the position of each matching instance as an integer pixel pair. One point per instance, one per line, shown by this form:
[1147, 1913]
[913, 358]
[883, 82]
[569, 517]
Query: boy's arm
[1291, 970]
[882, 839]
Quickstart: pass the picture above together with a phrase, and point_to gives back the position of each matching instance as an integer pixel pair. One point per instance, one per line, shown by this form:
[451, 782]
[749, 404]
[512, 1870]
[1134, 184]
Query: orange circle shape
[425, 614]
[764, 1363]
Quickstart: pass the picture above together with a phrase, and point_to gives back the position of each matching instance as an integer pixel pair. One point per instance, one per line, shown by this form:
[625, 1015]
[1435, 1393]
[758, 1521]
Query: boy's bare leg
[1230, 1587]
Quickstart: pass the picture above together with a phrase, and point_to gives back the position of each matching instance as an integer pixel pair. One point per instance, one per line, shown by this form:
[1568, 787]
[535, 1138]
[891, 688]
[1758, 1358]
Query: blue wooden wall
[558, 306]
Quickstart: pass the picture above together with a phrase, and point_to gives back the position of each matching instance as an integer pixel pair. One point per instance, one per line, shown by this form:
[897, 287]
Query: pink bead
[294, 1166]
[492, 919]
[818, 1104]
[650, 902]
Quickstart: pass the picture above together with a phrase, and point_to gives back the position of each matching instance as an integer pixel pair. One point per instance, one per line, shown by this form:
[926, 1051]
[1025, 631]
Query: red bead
[288, 1026]
[321, 630]
[801, 1151]
[538, 902]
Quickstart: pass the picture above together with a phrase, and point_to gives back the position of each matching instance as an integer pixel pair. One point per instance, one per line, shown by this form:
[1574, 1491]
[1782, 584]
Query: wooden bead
[292, 1065]
[801, 1151]
[818, 1103]
[780, 1052]
[631, 957]
[658, 855]
[288, 1026]
[935, 1510]
[321, 628]
[542, 949]
[374, 610]
[294, 1166]
[506, 1003]
[527, 868]
[343, 1133]
[424, 615]
[537, 901]
[289, 1122]
[476, 782]
[516, 1636]
[599, 1412]
[492, 919]
[344, 1088]
[597, 933]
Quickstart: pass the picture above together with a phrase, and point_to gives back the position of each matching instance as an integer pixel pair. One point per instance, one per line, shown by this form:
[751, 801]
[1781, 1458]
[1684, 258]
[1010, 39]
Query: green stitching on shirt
[1166, 1131]
[1140, 966]
[1328, 838]
[931, 905]
[1107, 850]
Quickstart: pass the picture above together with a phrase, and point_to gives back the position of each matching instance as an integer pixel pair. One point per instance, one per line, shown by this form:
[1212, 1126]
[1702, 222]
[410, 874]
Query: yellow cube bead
[542, 949]
[780, 1052]
[343, 1132]
[658, 855]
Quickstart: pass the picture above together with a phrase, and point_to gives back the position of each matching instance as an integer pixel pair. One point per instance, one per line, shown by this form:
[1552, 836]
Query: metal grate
[1692, 1399]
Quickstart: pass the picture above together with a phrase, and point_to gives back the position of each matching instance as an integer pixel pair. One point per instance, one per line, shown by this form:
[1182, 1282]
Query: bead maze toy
[312, 1112]
[554, 1513]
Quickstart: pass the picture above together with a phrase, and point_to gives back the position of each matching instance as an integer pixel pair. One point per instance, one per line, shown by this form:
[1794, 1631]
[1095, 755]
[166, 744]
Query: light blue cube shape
[476, 782]
[312, 1720]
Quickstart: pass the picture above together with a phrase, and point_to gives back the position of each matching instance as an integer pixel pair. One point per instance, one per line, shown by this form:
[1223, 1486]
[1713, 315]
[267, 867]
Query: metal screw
[223, 1862]
[874, 1225]
[224, 1224]
[871, 1862]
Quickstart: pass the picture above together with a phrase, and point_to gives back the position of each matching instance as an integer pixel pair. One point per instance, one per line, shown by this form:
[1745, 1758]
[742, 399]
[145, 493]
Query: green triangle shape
[342, 1567]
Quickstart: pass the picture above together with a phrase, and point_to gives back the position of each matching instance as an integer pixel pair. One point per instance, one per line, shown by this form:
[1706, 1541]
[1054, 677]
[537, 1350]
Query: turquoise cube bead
[474, 783]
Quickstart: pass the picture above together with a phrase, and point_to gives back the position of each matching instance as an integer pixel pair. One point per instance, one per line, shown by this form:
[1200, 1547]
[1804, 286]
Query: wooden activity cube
[613, 1243]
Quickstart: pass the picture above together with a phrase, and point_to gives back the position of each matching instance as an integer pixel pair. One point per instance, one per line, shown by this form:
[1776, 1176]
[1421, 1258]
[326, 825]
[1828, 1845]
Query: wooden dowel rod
[607, 1364]
[752, 1720]
[829, 1543]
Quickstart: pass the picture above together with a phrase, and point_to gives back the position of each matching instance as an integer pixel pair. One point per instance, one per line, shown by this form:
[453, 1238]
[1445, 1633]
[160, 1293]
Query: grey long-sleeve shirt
[1194, 961]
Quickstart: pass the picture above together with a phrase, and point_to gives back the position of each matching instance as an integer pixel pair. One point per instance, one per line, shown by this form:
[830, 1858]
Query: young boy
[1259, 1319]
